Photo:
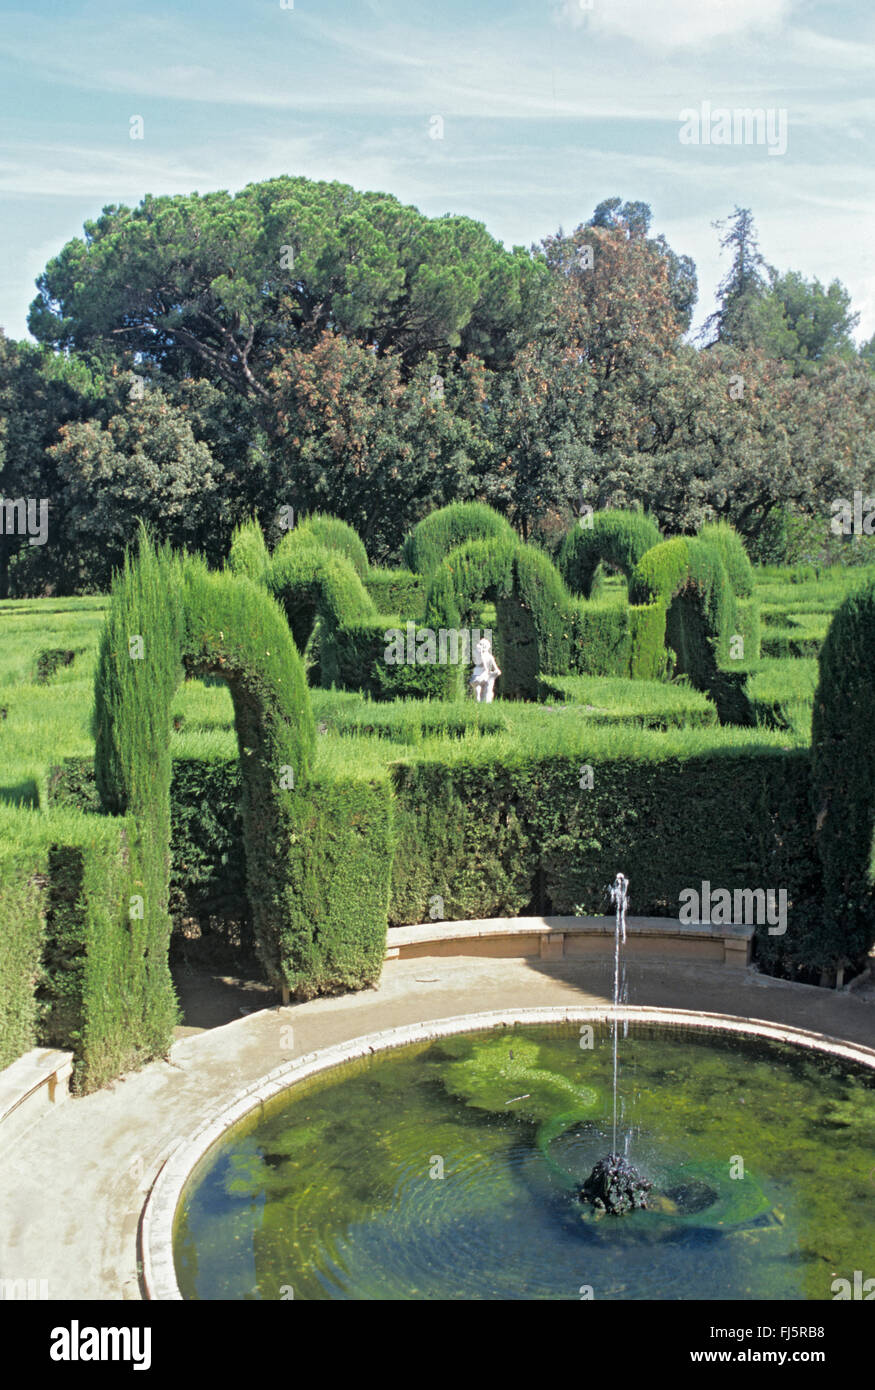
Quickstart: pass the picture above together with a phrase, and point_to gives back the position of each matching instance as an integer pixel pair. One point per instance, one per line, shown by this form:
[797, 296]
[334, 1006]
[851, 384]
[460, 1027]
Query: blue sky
[548, 106]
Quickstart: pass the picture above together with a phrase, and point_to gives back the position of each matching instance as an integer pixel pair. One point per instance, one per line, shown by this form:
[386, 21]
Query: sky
[522, 114]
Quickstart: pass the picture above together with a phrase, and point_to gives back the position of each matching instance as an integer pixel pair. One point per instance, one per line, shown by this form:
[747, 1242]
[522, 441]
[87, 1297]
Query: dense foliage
[301, 347]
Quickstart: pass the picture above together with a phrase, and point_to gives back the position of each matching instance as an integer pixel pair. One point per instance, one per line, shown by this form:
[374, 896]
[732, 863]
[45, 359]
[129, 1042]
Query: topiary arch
[170, 618]
[532, 607]
[617, 538]
[687, 580]
[733, 554]
[331, 534]
[309, 582]
[449, 527]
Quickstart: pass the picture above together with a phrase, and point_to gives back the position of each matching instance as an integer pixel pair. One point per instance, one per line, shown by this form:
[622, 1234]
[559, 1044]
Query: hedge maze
[255, 735]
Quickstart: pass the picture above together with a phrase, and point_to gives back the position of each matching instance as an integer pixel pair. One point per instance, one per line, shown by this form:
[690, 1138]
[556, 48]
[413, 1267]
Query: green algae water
[451, 1170]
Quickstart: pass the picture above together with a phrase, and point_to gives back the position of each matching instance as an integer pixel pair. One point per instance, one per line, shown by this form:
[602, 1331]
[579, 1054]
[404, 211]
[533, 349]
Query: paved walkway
[72, 1190]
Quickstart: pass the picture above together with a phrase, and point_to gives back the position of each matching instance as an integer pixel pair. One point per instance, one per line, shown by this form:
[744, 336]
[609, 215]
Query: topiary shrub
[249, 554]
[309, 582]
[332, 535]
[648, 658]
[170, 617]
[535, 614]
[692, 571]
[843, 783]
[750, 628]
[688, 580]
[449, 527]
[617, 538]
[733, 554]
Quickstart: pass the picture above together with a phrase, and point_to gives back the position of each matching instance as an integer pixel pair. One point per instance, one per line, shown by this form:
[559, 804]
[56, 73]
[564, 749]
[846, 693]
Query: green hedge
[249, 555]
[331, 534]
[23, 866]
[449, 527]
[500, 825]
[644, 704]
[535, 613]
[360, 656]
[71, 963]
[733, 554]
[648, 658]
[498, 831]
[229, 627]
[791, 641]
[342, 856]
[397, 591]
[749, 627]
[309, 582]
[618, 538]
[843, 781]
[689, 580]
[601, 643]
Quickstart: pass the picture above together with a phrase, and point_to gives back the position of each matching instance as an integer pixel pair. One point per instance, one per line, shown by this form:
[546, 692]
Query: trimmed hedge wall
[397, 591]
[505, 832]
[23, 875]
[601, 643]
[355, 658]
[448, 528]
[502, 827]
[342, 856]
[617, 538]
[71, 963]
[749, 627]
[843, 781]
[648, 658]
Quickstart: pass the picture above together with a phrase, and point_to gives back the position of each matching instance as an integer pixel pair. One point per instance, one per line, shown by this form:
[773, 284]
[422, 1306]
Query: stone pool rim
[155, 1236]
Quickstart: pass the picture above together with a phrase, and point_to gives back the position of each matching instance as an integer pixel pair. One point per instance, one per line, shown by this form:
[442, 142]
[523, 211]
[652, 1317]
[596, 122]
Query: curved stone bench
[554, 938]
[27, 1086]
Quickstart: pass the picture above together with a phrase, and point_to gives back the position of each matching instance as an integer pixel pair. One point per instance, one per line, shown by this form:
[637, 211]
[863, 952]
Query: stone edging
[156, 1222]
[37, 1079]
[549, 937]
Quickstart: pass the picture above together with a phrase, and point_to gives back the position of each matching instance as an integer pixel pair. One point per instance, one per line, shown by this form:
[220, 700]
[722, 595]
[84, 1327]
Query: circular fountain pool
[451, 1168]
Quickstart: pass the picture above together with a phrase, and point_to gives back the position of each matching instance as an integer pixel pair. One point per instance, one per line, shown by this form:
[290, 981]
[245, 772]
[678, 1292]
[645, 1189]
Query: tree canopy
[206, 358]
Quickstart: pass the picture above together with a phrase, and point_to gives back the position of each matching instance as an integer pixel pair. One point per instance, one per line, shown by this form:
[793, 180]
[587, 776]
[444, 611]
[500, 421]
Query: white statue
[485, 672]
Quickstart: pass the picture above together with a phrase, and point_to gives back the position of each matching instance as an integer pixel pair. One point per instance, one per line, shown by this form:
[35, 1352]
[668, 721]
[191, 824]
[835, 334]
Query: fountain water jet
[614, 1185]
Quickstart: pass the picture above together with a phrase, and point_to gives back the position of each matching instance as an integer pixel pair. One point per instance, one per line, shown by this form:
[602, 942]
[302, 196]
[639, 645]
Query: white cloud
[676, 24]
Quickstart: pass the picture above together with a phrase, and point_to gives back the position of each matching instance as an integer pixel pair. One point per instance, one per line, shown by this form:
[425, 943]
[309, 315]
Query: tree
[634, 220]
[737, 436]
[539, 424]
[40, 392]
[144, 464]
[805, 324]
[355, 438]
[222, 286]
[613, 308]
[741, 291]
